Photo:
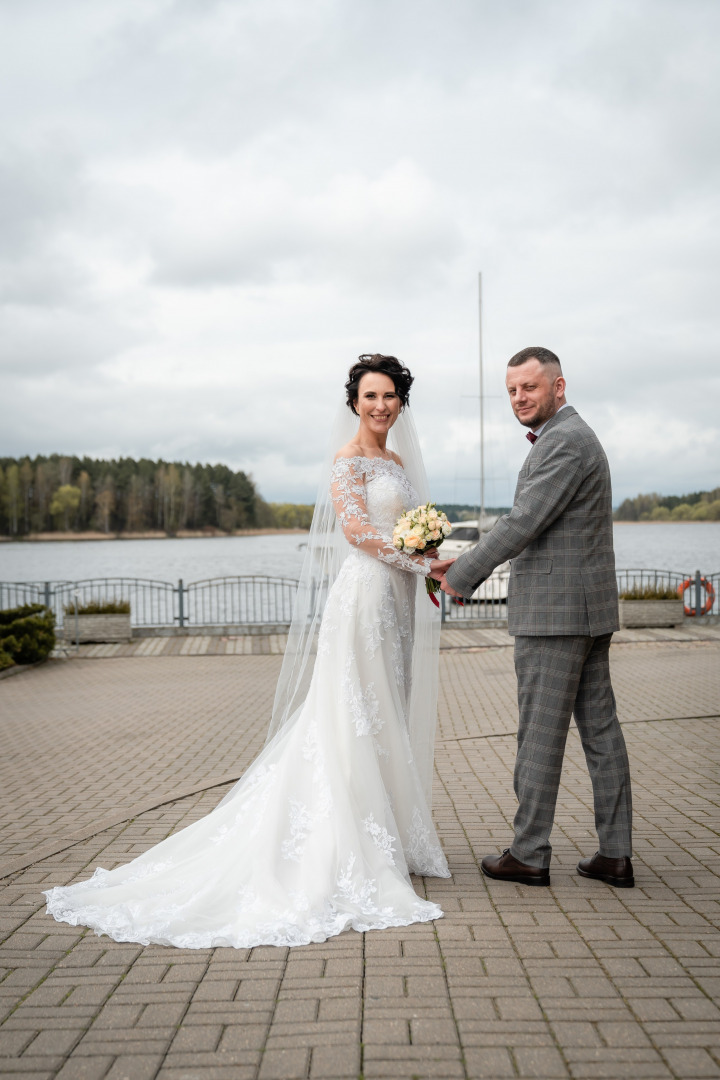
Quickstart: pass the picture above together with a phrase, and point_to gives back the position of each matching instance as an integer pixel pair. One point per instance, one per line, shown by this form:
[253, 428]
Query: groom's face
[536, 392]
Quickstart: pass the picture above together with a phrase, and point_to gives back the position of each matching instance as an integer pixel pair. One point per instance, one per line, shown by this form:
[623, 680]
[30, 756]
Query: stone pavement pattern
[452, 637]
[87, 740]
[86, 743]
[578, 980]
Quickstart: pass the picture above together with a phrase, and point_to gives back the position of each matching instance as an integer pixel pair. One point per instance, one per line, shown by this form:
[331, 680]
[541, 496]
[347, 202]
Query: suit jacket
[558, 535]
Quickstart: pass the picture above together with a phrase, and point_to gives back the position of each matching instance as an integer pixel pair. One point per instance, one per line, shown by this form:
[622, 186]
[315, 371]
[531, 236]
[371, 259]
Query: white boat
[464, 535]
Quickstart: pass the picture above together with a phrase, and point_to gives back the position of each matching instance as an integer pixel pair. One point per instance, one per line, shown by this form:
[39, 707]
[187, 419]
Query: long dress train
[321, 832]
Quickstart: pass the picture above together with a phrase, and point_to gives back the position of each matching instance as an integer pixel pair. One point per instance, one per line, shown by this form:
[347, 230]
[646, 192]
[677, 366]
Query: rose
[414, 542]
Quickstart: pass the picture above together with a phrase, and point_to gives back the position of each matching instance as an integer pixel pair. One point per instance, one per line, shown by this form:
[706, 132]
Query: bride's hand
[439, 567]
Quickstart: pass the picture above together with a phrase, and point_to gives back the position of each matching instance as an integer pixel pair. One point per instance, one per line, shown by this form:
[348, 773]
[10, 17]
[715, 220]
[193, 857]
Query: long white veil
[326, 550]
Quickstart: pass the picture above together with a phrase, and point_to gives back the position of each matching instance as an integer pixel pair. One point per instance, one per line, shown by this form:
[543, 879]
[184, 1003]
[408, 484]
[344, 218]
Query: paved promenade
[102, 757]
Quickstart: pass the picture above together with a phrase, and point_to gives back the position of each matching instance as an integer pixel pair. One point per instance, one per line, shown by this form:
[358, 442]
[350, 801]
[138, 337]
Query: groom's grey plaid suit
[562, 610]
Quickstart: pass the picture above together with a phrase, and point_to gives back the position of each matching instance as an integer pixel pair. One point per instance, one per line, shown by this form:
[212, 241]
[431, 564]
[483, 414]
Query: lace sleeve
[347, 486]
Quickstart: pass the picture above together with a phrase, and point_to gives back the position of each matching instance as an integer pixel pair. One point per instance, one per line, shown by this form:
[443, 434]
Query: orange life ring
[709, 595]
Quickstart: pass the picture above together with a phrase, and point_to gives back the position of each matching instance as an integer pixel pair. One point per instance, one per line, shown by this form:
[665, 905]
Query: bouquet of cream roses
[422, 529]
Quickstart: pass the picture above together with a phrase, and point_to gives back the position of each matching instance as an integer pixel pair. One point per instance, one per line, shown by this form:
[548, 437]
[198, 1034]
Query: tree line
[72, 494]
[698, 506]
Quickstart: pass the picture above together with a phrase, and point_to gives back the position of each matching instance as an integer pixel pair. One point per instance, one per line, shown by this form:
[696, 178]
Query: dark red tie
[531, 437]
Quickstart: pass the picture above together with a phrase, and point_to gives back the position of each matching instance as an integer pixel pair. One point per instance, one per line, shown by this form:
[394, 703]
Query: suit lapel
[558, 418]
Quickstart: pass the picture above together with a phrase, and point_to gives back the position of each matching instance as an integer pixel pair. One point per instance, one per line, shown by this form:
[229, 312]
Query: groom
[562, 611]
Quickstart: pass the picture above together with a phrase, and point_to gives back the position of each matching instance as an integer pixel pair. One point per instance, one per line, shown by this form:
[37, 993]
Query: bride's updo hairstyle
[385, 365]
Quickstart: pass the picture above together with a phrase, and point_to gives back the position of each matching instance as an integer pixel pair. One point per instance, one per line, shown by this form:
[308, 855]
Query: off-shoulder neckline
[362, 457]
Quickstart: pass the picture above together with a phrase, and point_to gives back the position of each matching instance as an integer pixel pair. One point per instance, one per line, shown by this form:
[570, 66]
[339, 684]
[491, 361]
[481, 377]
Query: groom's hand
[439, 567]
[438, 570]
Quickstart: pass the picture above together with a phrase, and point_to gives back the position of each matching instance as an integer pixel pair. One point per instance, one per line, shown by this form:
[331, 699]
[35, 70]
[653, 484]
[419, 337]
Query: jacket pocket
[532, 566]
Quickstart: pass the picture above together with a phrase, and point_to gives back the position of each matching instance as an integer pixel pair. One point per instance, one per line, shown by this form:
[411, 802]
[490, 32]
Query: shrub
[6, 660]
[100, 607]
[649, 593]
[27, 634]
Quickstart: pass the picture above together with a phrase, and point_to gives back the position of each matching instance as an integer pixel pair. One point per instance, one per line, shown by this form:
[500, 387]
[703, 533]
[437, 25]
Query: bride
[323, 830]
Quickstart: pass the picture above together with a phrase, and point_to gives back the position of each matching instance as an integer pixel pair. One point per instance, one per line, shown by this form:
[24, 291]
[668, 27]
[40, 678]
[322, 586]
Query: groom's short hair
[534, 352]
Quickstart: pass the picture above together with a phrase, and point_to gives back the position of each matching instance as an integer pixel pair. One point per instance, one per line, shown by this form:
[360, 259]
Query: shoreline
[90, 536]
[181, 534]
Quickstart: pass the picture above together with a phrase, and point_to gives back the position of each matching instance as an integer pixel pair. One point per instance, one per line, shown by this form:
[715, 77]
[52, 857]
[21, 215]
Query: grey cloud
[201, 230]
[38, 189]
[367, 233]
[41, 343]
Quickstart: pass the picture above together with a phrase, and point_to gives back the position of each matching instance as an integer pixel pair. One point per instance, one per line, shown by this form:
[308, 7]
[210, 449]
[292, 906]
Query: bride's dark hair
[385, 365]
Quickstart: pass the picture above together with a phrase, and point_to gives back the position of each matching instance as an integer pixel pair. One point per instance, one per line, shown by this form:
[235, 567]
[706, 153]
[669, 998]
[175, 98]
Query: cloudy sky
[208, 208]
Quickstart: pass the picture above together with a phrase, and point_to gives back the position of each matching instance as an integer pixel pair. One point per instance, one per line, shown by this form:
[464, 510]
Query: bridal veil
[325, 552]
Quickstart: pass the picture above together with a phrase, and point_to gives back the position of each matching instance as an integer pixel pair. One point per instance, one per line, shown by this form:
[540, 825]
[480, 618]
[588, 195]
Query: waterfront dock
[108, 751]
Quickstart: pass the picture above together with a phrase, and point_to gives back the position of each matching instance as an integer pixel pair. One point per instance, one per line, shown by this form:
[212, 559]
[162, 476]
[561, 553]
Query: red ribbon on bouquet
[432, 587]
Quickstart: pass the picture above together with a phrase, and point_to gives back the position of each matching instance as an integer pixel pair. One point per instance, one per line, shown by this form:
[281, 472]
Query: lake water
[681, 546]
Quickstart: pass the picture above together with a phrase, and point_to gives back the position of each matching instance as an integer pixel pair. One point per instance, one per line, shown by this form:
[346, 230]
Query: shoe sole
[617, 883]
[517, 880]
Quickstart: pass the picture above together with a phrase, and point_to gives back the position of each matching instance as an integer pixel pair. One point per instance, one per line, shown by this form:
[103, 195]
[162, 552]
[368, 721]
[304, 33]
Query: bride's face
[378, 403]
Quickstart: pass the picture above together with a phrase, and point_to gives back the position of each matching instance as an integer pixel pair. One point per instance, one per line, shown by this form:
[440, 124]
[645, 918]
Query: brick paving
[578, 980]
[465, 638]
[88, 740]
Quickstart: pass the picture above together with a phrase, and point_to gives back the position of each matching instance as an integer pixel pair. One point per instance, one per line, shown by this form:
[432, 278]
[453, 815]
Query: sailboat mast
[482, 406]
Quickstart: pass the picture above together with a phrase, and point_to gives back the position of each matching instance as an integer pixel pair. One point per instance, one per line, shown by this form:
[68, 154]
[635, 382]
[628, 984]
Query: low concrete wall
[635, 614]
[98, 628]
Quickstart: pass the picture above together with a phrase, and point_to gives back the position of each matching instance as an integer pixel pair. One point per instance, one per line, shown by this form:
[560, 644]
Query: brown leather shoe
[506, 868]
[617, 872]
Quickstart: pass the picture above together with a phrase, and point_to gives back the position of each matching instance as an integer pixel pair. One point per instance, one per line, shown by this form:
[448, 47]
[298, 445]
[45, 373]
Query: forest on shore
[699, 506]
[58, 493]
[63, 494]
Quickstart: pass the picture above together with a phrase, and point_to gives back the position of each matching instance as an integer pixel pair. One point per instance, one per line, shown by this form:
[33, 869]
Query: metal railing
[152, 603]
[17, 593]
[700, 591]
[230, 601]
[629, 580]
[489, 603]
[714, 580]
[261, 600]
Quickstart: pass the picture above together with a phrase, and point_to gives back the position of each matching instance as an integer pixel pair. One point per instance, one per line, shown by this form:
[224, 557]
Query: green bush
[6, 660]
[27, 634]
[649, 593]
[100, 607]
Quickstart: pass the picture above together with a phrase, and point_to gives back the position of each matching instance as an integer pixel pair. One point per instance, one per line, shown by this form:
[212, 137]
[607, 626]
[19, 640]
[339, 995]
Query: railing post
[181, 604]
[698, 593]
[442, 607]
[47, 594]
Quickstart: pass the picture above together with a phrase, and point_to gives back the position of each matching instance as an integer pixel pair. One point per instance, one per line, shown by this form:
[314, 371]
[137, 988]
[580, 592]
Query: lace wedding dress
[321, 832]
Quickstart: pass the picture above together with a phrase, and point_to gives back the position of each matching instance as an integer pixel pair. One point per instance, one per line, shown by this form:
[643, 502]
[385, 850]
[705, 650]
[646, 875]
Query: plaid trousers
[557, 677]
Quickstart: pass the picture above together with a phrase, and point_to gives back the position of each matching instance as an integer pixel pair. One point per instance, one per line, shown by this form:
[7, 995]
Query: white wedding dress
[321, 832]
